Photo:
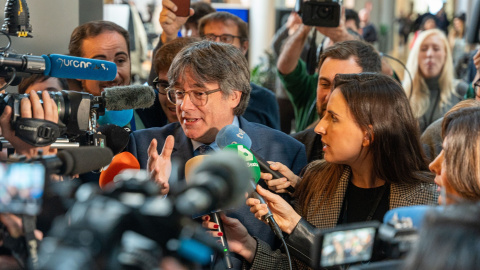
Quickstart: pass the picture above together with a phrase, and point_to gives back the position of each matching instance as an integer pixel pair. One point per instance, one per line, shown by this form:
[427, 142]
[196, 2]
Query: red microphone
[120, 162]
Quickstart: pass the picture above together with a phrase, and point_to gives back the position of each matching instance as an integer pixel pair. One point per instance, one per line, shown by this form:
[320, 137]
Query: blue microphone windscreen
[118, 118]
[70, 67]
[415, 213]
[232, 134]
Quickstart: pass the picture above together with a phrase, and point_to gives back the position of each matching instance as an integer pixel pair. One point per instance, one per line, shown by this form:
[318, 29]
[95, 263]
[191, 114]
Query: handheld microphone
[415, 214]
[60, 66]
[218, 182]
[252, 163]
[77, 160]
[120, 162]
[191, 168]
[191, 165]
[232, 134]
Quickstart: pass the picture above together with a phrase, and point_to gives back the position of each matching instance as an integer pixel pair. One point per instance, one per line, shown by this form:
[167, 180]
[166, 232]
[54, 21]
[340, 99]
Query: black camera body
[354, 243]
[74, 108]
[325, 13]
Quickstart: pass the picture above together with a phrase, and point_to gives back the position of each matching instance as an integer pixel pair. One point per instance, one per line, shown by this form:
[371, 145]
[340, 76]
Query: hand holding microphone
[283, 184]
[159, 166]
[232, 134]
[282, 211]
[239, 241]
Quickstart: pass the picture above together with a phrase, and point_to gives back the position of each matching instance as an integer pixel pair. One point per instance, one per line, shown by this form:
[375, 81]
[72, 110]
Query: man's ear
[235, 98]
[244, 46]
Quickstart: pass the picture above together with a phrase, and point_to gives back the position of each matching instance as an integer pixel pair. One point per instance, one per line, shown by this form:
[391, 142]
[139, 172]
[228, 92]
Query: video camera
[362, 242]
[324, 13]
[77, 111]
[25, 190]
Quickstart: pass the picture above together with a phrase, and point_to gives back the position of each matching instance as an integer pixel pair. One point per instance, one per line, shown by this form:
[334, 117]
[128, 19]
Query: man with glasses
[226, 28]
[161, 63]
[210, 86]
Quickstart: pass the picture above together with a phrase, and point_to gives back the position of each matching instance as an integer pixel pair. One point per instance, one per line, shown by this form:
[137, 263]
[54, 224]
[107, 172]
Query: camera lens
[324, 12]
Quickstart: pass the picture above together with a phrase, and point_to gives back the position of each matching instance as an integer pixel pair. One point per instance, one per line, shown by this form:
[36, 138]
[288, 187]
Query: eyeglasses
[476, 85]
[160, 85]
[225, 38]
[198, 98]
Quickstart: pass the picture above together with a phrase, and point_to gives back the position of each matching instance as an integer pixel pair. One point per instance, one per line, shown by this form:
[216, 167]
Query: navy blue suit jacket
[263, 107]
[271, 144]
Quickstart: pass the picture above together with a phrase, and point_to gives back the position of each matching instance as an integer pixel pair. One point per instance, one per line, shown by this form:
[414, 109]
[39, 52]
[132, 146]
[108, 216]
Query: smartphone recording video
[21, 188]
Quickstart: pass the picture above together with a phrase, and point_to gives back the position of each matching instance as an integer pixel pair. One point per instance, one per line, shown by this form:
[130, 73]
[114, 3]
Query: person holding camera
[292, 71]
[30, 107]
[226, 28]
[373, 162]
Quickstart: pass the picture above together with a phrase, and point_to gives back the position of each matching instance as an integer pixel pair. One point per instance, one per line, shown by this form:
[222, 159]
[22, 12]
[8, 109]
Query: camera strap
[30, 240]
[38, 132]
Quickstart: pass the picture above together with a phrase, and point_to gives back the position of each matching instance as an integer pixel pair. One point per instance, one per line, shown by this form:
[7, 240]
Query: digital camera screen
[348, 246]
[21, 188]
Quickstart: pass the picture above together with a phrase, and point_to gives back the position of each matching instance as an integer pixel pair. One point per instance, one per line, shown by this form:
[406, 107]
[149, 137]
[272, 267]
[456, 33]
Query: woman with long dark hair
[373, 163]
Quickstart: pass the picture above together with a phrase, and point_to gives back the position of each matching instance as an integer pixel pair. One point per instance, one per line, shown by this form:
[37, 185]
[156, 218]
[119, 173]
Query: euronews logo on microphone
[79, 64]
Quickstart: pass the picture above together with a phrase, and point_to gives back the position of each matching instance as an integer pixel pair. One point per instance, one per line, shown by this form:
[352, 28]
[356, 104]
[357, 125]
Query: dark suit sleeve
[132, 146]
[263, 107]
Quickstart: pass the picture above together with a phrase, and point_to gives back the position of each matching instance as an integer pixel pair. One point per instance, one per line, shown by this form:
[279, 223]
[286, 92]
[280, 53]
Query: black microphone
[265, 168]
[232, 134]
[77, 160]
[116, 137]
[218, 182]
[252, 163]
[269, 216]
[189, 167]
[223, 240]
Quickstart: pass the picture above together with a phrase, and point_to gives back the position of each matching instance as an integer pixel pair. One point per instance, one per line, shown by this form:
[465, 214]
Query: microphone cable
[405, 68]
[274, 226]
[287, 252]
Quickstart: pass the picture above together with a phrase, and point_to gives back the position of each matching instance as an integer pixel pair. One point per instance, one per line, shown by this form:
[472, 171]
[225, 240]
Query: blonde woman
[432, 91]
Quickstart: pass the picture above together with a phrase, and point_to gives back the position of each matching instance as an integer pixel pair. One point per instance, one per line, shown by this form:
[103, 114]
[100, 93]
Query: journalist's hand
[29, 108]
[238, 239]
[280, 185]
[339, 33]
[282, 211]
